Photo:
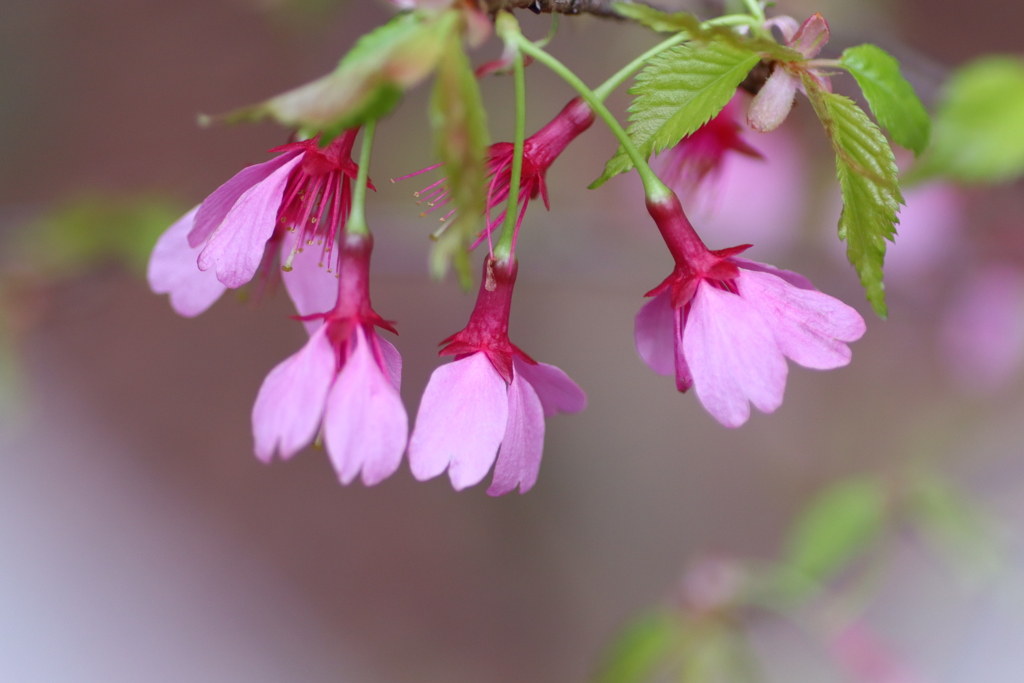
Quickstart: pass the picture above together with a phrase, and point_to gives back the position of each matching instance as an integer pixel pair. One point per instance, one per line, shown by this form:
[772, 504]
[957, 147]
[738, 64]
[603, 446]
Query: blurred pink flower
[490, 403]
[345, 379]
[867, 659]
[223, 242]
[983, 332]
[725, 325]
[772, 104]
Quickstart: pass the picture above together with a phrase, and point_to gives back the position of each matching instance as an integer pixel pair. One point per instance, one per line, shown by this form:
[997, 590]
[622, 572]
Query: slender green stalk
[356, 224]
[654, 189]
[506, 244]
[755, 8]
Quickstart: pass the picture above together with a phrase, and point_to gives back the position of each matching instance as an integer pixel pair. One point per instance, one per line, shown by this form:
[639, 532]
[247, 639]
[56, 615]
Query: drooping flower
[345, 381]
[772, 103]
[539, 151]
[725, 325]
[223, 242]
[700, 156]
[490, 402]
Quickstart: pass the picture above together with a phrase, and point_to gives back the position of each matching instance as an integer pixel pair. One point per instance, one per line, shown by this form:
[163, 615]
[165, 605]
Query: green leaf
[369, 81]
[678, 92]
[892, 99]
[868, 179]
[641, 647]
[978, 133]
[460, 138]
[840, 523]
[657, 20]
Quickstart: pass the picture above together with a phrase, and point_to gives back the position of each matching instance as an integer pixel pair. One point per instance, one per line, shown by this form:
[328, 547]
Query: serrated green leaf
[678, 92]
[867, 175]
[840, 523]
[892, 99]
[657, 20]
[458, 118]
[978, 132]
[641, 647]
[368, 82]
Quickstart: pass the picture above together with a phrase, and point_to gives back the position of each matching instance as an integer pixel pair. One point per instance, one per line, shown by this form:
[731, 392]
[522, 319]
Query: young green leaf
[892, 99]
[868, 180]
[677, 93]
[370, 79]
[978, 135]
[460, 138]
[837, 526]
[656, 20]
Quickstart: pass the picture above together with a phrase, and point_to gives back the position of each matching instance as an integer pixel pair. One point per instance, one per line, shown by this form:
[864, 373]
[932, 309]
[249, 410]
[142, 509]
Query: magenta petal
[810, 327]
[365, 423]
[392, 362]
[557, 392]
[684, 378]
[793, 278]
[291, 400]
[461, 422]
[733, 356]
[311, 287]
[654, 336]
[811, 37]
[216, 207]
[521, 448]
[235, 249]
[173, 270]
[771, 106]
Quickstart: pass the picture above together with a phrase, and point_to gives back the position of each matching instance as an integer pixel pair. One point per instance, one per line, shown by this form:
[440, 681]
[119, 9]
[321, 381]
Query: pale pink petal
[654, 336]
[365, 423]
[867, 659]
[810, 327]
[557, 392]
[733, 356]
[521, 448]
[461, 422]
[771, 106]
[392, 362]
[811, 37]
[793, 278]
[235, 249]
[983, 333]
[216, 207]
[173, 270]
[788, 26]
[291, 400]
[311, 286]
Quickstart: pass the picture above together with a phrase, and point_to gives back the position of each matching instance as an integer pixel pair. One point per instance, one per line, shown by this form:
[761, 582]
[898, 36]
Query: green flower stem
[755, 8]
[356, 224]
[654, 189]
[503, 251]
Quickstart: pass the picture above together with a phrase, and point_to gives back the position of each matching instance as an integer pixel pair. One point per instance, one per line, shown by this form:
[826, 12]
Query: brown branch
[601, 8]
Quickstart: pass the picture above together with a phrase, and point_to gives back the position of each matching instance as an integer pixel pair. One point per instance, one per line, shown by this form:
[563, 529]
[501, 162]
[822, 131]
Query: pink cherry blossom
[725, 325]
[772, 104]
[345, 381]
[241, 226]
[866, 659]
[488, 406]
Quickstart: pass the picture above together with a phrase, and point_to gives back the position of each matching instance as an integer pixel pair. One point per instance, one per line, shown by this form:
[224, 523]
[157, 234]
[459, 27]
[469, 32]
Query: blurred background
[140, 540]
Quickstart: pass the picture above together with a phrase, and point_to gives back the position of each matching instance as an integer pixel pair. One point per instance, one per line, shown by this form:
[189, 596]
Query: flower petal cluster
[725, 325]
[488, 406]
[539, 151]
[345, 381]
[222, 243]
[772, 104]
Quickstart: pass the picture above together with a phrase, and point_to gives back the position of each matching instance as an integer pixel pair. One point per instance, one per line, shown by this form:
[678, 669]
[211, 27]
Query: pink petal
[291, 400]
[811, 37]
[557, 392]
[173, 270]
[392, 362]
[793, 278]
[365, 423]
[788, 26]
[216, 207]
[311, 287]
[521, 448]
[809, 326]
[235, 249]
[771, 106]
[654, 336]
[461, 422]
[684, 378]
[733, 356]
